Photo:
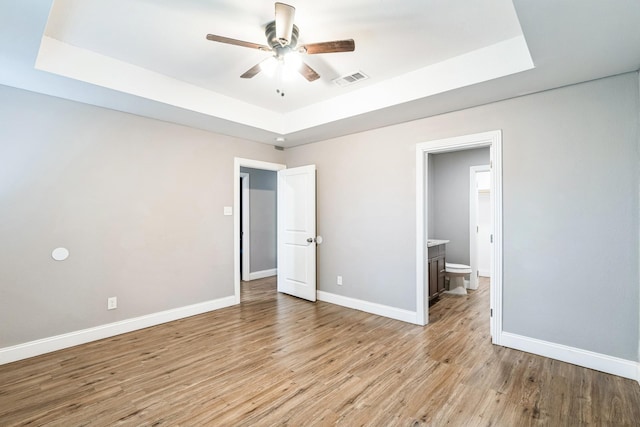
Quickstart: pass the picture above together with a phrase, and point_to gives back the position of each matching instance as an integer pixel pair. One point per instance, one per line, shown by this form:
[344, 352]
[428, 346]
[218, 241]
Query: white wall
[138, 203]
[483, 181]
[570, 196]
[483, 220]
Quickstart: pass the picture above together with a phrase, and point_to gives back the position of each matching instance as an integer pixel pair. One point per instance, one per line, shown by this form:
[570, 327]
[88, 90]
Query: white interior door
[484, 233]
[297, 232]
[479, 181]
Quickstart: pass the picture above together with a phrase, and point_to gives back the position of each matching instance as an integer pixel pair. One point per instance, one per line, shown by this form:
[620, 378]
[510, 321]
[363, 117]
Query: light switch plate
[228, 210]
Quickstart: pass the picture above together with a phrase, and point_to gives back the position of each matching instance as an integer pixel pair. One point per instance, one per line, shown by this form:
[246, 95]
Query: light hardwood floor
[278, 360]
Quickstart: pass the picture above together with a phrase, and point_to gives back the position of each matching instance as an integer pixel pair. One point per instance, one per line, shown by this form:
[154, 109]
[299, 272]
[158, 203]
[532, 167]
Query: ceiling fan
[282, 39]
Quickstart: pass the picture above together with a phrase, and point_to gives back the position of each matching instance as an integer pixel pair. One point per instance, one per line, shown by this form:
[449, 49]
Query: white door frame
[473, 223]
[237, 164]
[246, 225]
[493, 140]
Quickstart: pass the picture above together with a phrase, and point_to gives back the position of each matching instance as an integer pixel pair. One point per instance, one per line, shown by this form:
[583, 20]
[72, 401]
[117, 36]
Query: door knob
[310, 240]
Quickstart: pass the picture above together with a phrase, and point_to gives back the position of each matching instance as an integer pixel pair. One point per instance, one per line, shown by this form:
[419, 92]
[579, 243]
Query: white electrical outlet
[339, 281]
[112, 303]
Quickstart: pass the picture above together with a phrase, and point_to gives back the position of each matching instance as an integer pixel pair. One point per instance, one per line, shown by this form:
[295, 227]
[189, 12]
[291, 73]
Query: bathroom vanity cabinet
[436, 265]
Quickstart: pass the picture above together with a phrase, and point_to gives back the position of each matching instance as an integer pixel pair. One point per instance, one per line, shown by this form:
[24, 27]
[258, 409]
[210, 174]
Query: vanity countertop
[434, 242]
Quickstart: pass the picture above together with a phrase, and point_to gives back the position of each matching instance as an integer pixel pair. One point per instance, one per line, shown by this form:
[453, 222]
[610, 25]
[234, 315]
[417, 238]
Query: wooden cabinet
[436, 266]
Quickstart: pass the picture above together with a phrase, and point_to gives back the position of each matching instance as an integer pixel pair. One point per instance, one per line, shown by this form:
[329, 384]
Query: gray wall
[138, 202]
[449, 183]
[263, 203]
[570, 214]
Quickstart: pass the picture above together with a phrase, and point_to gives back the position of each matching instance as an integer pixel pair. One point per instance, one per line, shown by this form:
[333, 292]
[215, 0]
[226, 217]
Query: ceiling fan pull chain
[279, 80]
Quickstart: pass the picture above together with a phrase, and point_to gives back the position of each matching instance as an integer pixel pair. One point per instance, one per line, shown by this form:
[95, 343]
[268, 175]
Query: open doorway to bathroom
[449, 218]
[443, 218]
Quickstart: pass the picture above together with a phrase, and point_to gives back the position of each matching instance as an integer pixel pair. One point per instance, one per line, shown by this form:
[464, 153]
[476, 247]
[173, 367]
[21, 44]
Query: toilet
[456, 274]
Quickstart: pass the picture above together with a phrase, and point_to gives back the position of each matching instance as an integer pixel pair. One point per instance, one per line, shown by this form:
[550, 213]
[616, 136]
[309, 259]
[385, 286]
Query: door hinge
[491, 313]
[477, 229]
[477, 273]
[492, 238]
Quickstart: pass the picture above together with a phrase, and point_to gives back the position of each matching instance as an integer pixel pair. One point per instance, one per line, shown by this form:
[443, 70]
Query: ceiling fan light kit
[282, 39]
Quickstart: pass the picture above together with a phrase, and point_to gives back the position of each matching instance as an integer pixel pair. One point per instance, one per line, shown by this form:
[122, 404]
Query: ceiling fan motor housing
[274, 42]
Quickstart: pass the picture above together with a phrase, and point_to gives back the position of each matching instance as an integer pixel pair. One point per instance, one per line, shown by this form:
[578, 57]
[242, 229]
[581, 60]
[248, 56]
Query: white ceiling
[168, 37]
[424, 57]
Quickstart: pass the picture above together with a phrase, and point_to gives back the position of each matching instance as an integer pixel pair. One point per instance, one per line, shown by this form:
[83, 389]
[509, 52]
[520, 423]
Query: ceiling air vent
[350, 79]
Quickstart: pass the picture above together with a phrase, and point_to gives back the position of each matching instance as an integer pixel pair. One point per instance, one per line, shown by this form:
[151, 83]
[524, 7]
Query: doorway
[258, 222]
[296, 227]
[245, 226]
[239, 267]
[493, 140]
[479, 223]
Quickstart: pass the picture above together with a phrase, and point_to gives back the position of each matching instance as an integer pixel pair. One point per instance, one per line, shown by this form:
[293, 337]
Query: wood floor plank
[278, 360]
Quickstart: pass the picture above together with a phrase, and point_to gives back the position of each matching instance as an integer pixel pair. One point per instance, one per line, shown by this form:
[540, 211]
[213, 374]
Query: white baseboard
[368, 307]
[484, 273]
[262, 274]
[58, 342]
[585, 358]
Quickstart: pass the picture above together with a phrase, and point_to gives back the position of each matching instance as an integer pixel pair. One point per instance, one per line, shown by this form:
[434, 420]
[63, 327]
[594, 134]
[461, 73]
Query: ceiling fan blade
[284, 23]
[308, 72]
[328, 47]
[251, 72]
[235, 42]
